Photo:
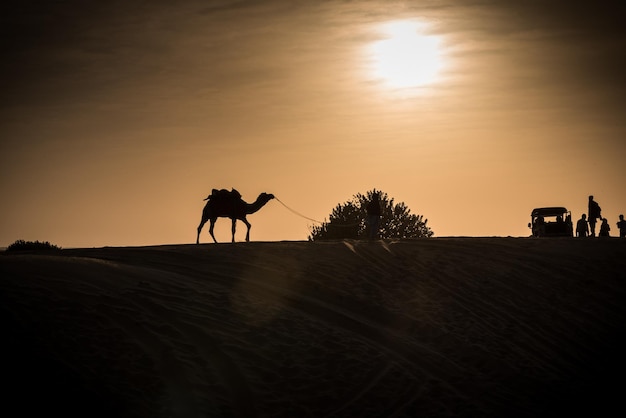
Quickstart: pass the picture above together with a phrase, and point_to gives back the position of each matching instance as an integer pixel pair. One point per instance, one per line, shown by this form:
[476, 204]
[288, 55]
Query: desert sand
[439, 327]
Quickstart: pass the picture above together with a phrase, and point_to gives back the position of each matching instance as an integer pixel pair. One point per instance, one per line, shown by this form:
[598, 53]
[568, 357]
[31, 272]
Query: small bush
[21, 245]
[348, 220]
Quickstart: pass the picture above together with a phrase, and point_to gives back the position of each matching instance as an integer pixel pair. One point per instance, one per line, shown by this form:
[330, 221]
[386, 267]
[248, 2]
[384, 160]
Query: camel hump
[223, 195]
[235, 193]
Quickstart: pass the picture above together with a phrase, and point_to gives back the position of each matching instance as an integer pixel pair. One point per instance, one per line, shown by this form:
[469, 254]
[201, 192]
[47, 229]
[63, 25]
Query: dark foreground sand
[491, 327]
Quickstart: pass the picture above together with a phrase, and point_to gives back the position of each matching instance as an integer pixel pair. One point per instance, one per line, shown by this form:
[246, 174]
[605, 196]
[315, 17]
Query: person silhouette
[582, 228]
[621, 225]
[540, 226]
[604, 228]
[593, 215]
[373, 215]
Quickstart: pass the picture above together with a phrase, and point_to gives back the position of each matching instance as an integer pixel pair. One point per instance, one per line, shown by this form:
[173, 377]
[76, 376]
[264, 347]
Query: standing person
[604, 228]
[582, 229]
[540, 225]
[593, 215]
[373, 215]
[621, 225]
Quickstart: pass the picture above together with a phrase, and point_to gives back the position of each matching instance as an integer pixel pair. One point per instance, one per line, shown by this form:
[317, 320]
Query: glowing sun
[406, 57]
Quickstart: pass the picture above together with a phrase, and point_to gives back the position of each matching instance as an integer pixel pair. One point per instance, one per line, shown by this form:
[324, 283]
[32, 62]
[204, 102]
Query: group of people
[586, 225]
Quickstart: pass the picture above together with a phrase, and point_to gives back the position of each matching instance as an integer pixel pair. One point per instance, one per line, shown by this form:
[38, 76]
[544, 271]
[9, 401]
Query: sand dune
[439, 327]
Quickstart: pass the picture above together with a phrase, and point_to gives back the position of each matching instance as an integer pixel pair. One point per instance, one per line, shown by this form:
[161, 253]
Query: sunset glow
[406, 57]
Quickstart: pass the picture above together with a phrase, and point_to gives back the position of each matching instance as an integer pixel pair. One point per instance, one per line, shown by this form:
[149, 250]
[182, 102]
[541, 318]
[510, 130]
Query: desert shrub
[347, 220]
[21, 245]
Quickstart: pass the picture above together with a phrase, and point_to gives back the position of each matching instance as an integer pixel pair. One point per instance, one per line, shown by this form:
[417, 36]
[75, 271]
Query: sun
[406, 57]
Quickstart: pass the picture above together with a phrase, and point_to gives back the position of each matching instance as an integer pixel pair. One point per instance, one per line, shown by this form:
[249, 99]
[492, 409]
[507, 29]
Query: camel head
[266, 197]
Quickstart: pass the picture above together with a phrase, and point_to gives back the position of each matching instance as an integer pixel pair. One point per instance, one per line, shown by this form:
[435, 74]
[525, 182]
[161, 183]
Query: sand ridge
[431, 327]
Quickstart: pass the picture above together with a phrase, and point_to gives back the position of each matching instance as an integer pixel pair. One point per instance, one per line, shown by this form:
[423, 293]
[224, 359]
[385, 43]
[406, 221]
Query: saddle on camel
[224, 196]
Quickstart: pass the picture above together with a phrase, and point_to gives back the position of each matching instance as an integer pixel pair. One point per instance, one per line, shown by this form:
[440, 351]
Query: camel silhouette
[225, 204]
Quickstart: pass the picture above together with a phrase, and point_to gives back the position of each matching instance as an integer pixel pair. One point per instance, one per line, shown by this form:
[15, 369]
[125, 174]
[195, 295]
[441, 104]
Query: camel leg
[245, 221]
[211, 229]
[202, 222]
[233, 228]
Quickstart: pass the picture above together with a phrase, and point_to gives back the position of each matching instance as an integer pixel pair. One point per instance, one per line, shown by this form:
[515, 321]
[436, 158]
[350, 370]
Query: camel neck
[256, 205]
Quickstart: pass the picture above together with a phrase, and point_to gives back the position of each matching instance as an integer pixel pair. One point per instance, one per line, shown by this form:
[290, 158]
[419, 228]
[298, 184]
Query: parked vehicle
[551, 222]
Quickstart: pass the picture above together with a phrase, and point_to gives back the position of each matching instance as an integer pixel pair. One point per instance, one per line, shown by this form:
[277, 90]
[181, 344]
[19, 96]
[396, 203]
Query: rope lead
[313, 220]
[299, 214]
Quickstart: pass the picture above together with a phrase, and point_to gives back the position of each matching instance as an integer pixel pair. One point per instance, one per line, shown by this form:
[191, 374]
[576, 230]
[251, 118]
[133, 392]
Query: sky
[118, 118]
